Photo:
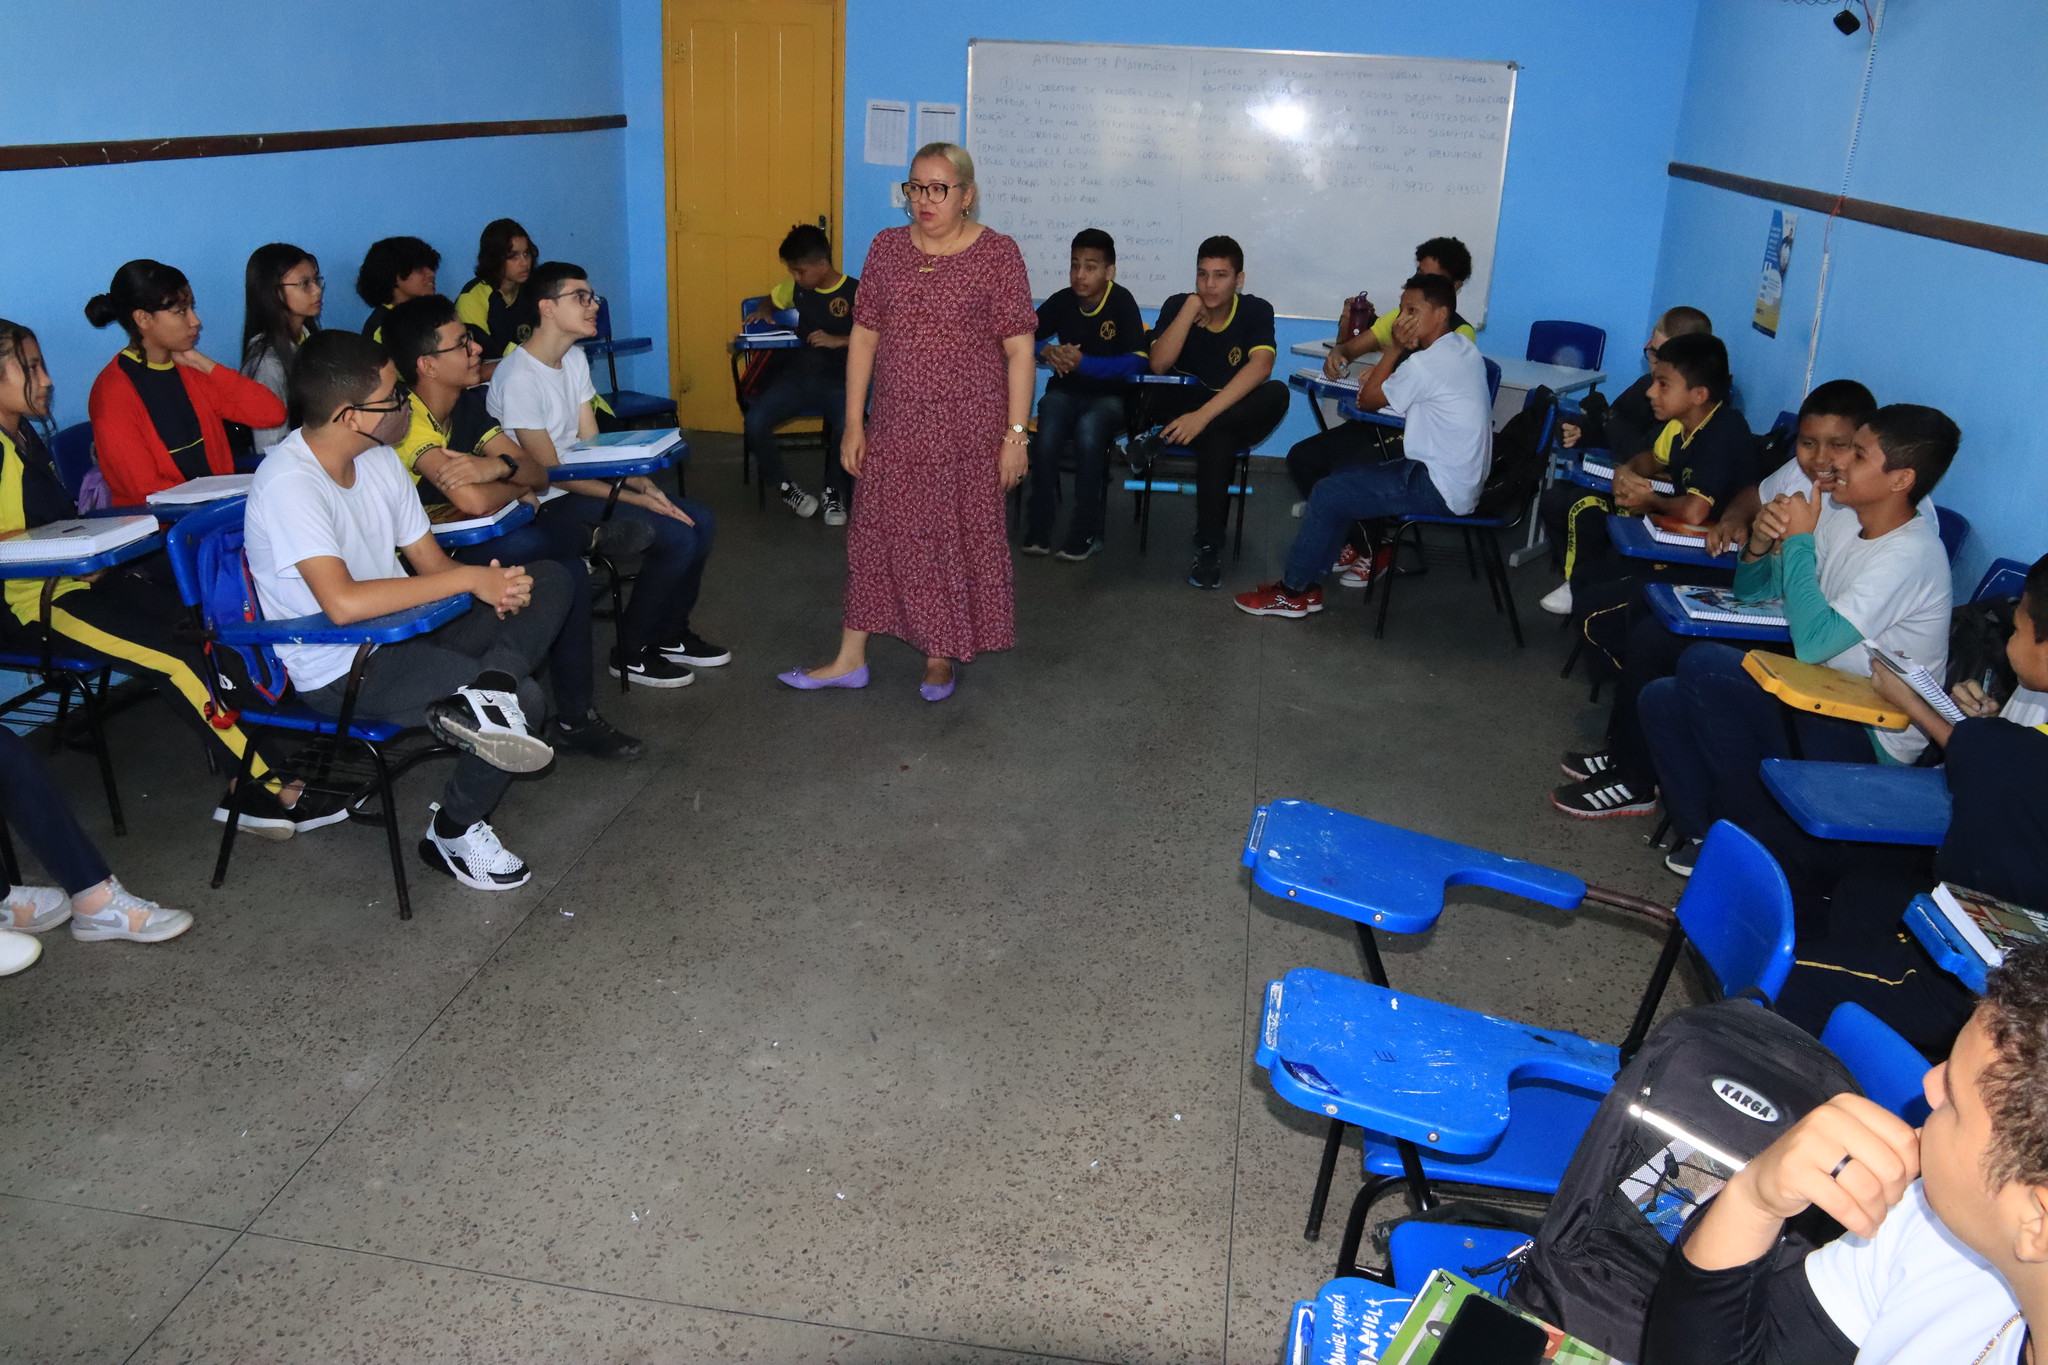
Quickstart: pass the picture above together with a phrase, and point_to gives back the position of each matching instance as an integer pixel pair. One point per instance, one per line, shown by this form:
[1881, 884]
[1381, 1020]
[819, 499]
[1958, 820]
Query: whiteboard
[1327, 168]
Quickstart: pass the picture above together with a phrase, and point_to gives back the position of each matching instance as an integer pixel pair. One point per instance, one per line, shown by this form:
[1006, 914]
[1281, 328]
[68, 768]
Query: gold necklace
[931, 258]
[1992, 1344]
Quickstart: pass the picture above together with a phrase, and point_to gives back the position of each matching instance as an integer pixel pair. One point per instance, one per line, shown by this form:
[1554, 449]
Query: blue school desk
[1663, 599]
[617, 469]
[1631, 536]
[519, 514]
[75, 565]
[1869, 803]
[1950, 953]
[748, 341]
[165, 513]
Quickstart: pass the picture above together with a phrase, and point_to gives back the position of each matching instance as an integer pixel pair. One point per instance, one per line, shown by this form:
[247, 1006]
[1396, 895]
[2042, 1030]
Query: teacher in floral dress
[943, 326]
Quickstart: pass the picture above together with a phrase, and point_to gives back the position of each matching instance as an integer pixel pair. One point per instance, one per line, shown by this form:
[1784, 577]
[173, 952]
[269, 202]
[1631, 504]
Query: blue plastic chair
[627, 405]
[2005, 578]
[71, 451]
[1889, 1068]
[1485, 1256]
[213, 579]
[1489, 1101]
[1955, 529]
[1575, 345]
[784, 317]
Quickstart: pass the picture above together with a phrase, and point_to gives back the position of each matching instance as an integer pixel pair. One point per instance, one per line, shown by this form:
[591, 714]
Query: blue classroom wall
[1772, 94]
[99, 69]
[1596, 109]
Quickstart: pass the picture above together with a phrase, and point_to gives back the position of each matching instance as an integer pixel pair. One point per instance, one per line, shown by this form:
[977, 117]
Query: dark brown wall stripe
[2005, 241]
[48, 155]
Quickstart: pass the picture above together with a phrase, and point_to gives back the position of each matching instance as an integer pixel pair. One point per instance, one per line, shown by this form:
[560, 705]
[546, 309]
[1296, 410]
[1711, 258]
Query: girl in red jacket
[157, 408]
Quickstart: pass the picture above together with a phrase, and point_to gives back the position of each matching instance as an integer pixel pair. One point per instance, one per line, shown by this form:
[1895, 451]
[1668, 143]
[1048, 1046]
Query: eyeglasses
[1649, 351]
[400, 396]
[462, 345]
[582, 296]
[936, 191]
[310, 282]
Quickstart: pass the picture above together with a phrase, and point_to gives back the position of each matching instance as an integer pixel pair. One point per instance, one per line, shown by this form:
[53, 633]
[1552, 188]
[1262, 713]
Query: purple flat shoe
[804, 682]
[939, 691]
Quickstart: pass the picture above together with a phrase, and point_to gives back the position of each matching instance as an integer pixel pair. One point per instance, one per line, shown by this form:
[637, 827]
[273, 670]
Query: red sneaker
[1273, 599]
[1350, 559]
[1364, 572]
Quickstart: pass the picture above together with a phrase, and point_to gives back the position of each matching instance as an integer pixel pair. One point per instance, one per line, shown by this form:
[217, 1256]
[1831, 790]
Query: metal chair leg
[1244, 496]
[1354, 1229]
[92, 705]
[1507, 592]
[391, 830]
[227, 834]
[1387, 600]
[1333, 1147]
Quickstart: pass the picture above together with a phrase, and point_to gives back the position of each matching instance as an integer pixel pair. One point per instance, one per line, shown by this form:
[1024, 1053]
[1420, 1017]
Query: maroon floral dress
[927, 559]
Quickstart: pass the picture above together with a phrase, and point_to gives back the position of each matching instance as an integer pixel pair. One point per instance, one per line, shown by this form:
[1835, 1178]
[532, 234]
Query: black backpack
[1977, 632]
[1732, 1074]
[1521, 453]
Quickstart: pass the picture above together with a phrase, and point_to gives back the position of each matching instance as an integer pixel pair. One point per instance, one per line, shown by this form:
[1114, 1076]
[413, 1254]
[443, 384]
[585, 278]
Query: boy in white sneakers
[331, 511]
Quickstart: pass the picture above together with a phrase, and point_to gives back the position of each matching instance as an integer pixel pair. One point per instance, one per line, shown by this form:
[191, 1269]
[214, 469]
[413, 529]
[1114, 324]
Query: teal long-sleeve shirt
[1819, 632]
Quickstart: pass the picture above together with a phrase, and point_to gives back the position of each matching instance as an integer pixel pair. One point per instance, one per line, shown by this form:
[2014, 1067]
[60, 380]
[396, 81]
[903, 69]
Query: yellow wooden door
[753, 105]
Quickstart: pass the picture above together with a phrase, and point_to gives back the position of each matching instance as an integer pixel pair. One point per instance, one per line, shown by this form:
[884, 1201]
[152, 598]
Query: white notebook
[210, 488]
[621, 445]
[73, 538]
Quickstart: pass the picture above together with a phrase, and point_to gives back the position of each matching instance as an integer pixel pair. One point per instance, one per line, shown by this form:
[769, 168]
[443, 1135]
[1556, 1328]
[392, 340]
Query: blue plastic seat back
[1576, 345]
[784, 317]
[1955, 529]
[1737, 911]
[1492, 378]
[1787, 421]
[206, 557]
[2005, 578]
[1418, 1250]
[1889, 1068]
[604, 319]
[71, 452]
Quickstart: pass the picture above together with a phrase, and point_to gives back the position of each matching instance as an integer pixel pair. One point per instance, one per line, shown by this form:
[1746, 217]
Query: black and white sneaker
[1682, 856]
[316, 810]
[1599, 797]
[651, 669]
[485, 719]
[474, 857]
[261, 814]
[596, 737]
[1207, 569]
[798, 501]
[1040, 546]
[695, 650]
[1074, 551]
[835, 508]
[1580, 766]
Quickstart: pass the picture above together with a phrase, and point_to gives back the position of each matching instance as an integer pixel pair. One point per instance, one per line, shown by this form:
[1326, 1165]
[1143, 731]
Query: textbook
[73, 538]
[1436, 1309]
[444, 516]
[1316, 376]
[1822, 690]
[1989, 925]
[210, 488]
[1719, 604]
[1672, 531]
[754, 333]
[1602, 469]
[621, 445]
[1920, 680]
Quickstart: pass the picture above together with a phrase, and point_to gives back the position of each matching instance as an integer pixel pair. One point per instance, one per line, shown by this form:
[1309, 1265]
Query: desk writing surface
[1822, 690]
[1631, 536]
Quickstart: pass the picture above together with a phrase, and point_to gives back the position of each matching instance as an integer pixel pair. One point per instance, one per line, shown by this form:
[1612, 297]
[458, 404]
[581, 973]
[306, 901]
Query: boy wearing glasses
[813, 378]
[542, 395]
[329, 515]
[460, 457]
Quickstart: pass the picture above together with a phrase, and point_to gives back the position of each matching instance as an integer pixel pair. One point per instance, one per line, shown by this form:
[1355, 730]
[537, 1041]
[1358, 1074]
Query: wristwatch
[511, 466]
[1016, 428]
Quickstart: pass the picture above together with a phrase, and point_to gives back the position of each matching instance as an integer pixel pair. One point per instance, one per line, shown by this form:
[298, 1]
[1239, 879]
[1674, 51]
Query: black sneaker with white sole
[1602, 796]
[474, 857]
[1580, 766]
[596, 737]
[1682, 856]
[651, 669]
[695, 650]
[835, 508]
[316, 810]
[798, 501]
[486, 720]
[261, 814]
[1207, 569]
[1079, 548]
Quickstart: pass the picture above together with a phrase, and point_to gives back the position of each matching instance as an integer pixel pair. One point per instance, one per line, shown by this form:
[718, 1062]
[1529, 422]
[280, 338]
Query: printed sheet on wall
[1327, 168]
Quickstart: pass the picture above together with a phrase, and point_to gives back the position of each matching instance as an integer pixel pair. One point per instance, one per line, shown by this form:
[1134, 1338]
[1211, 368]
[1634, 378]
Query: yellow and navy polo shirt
[498, 326]
[1113, 327]
[1215, 357]
[31, 495]
[1383, 328]
[1715, 460]
[469, 426]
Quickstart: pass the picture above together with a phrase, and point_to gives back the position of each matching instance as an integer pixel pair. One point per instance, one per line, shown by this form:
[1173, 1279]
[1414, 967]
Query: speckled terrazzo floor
[842, 1028]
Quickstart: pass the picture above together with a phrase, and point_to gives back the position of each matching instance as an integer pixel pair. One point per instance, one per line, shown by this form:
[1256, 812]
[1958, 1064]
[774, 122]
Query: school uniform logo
[522, 332]
[1108, 330]
[840, 308]
[1237, 355]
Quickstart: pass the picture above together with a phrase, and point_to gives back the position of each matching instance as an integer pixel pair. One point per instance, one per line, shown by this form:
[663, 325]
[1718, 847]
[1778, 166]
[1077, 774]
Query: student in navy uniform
[811, 378]
[496, 306]
[394, 269]
[457, 454]
[1097, 343]
[1224, 340]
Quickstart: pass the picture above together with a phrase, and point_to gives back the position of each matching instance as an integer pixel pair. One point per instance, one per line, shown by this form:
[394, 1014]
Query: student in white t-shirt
[329, 515]
[542, 395]
[1946, 1255]
[1447, 448]
[1873, 574]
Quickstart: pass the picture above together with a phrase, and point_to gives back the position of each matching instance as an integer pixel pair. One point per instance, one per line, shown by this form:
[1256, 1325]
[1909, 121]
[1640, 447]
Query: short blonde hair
[955, 156]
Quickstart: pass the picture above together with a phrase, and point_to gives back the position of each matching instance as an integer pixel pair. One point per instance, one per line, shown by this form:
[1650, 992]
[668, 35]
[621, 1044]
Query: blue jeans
[1710, 727]
[1089, 420]
[31, 803]
[569, 658]
[1361, 492]
[671, 569]
[801, 389]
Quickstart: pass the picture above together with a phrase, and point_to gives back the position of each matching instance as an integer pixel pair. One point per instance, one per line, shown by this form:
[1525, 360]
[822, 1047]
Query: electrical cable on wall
[1873, 21]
